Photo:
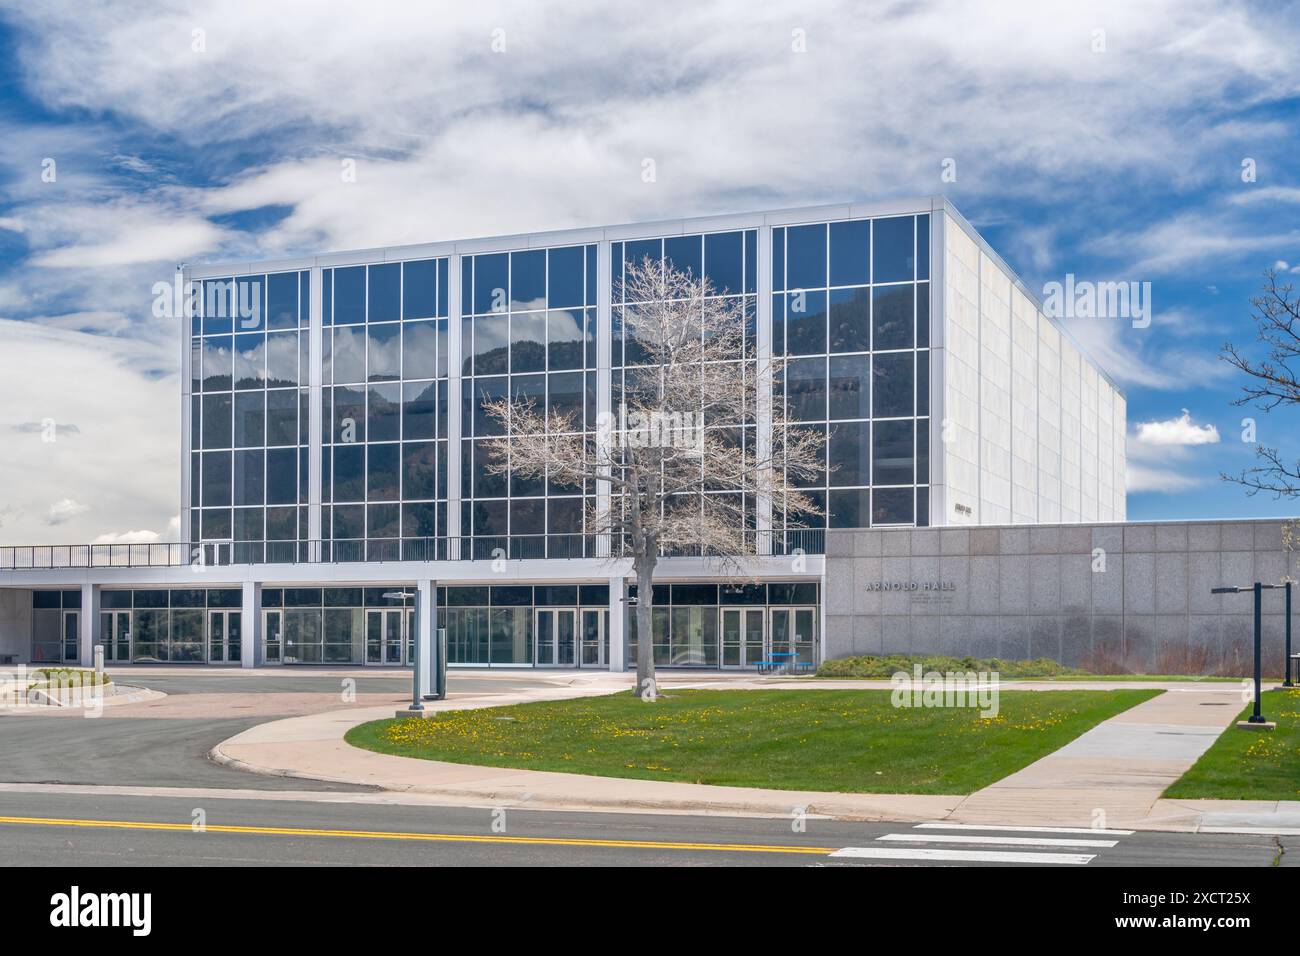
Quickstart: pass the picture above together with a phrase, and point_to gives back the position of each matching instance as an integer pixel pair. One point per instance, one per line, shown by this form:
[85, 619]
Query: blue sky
[1104, 142]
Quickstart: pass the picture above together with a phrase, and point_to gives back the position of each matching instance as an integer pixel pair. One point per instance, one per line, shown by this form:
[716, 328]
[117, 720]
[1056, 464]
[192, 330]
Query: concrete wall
[1112, 598]
[1033, 432]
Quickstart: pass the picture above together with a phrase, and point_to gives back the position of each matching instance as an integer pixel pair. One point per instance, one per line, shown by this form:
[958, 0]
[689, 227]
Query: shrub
[69, 677]
[884, 667]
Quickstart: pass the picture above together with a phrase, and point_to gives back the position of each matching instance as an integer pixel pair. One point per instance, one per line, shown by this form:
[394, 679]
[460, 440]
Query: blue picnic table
[784, 659]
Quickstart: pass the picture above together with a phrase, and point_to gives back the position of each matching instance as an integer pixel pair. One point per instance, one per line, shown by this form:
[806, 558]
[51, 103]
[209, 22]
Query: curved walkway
[1111, 776]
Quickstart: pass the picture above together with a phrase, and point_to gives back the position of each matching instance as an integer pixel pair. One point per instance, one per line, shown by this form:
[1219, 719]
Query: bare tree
[1277, 320]
[682, 478]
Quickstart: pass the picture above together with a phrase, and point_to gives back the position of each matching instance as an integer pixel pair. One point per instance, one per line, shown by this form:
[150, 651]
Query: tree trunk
[643, 566]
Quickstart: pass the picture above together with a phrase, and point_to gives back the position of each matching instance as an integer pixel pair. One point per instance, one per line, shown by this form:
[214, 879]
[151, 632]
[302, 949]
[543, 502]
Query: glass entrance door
[71, 638]
[385, 636]
[272, 621]
[595, 637]
[794, 631]
[410, 635]
[742, 636]
[556, 637]
[115, 636]
[223, 637]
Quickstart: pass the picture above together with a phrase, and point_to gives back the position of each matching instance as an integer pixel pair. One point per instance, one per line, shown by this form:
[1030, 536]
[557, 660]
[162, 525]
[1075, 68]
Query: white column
[87, 622]
[187, 440]
[455, 351]
[250, 625]
[315, 405]
[763, 351]
[426, 623]
[939, 511]
[604, 351]
[617, 625]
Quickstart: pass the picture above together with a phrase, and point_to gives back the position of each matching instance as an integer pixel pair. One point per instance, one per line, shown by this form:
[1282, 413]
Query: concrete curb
[133, 695]
[220, 757]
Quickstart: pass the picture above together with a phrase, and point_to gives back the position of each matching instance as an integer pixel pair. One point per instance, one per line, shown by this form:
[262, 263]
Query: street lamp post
[417, 705]
[1257, 716]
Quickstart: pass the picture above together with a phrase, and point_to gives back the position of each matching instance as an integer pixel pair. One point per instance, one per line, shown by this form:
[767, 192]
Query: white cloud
[1142, 478]
[119, 469]
[171, 534]
[64, 510]
[1185, 239]
[1260, 194]
[1177, 431]
[1165, 468]
[122, 233]
[1145, 357]
[453, 139]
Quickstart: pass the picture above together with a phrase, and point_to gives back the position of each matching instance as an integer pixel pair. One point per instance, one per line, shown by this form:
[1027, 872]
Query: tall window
[249, 402]
[851, 312]
[729, 260]
[384, 409]
[528, 330]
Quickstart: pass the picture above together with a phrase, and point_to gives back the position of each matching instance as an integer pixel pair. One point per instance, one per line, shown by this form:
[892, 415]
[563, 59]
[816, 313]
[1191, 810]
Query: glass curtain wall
[55, 626]
[685, 619]
[495, 625]
[248, 414]
[529, 332]
[169, 625]
[384, 441]
[325, 625]
[729, 260]
[851, 312]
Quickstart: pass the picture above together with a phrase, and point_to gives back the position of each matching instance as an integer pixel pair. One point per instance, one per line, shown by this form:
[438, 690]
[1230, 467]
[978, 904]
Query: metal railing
[44, 557]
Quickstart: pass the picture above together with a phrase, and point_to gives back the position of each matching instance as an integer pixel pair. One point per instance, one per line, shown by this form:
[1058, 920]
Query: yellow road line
[426, 837]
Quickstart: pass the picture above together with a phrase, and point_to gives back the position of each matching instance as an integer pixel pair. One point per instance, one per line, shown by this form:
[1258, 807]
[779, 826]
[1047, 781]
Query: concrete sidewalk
[1112, 776]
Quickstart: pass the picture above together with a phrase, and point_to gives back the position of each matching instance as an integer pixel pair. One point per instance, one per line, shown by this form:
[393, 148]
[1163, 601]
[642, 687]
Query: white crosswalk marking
[962, 856]
[993, 840]
[1003, 829]
[989, 844]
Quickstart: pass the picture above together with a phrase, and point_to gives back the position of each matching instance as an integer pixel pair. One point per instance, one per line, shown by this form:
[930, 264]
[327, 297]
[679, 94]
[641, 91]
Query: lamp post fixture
[417, 705]
[1257, 717]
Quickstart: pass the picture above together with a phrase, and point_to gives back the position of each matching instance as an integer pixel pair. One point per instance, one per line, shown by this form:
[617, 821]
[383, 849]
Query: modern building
[332, 456]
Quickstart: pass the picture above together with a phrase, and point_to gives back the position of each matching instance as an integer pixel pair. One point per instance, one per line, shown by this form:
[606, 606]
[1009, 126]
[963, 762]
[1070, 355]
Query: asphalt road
[171, 752]
[451, 836]
[125, 751]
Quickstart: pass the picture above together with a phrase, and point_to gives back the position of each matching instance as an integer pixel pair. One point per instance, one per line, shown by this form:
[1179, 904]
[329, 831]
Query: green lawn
[1251, 764]
[833, 740]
